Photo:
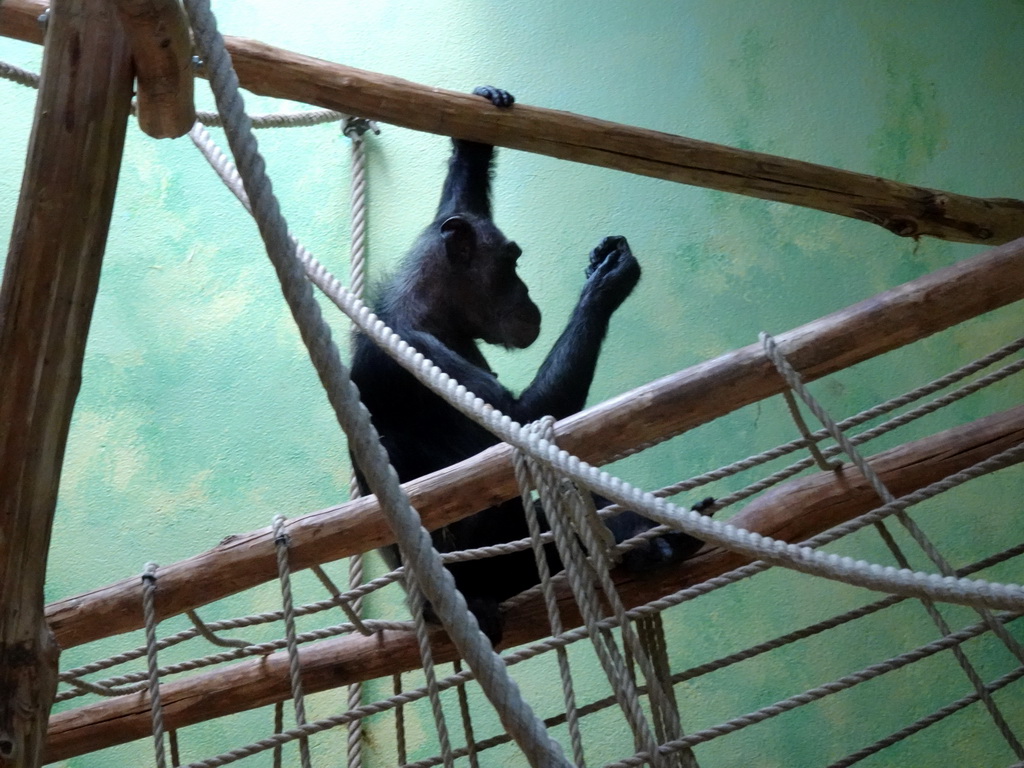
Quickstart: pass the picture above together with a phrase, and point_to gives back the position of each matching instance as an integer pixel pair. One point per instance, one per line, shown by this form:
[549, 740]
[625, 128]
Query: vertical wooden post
[46, 301]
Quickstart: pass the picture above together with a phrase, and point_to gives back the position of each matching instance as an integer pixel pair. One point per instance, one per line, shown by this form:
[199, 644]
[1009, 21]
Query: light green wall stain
[912, 125]
[200, 417]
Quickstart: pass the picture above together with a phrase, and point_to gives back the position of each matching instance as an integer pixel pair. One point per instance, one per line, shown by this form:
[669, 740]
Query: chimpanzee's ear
[459, 238]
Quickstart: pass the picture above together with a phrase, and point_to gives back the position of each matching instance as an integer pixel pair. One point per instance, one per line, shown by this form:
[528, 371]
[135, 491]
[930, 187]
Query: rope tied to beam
[586, 548]
[354, 129]
[294, 665]
[155, 706]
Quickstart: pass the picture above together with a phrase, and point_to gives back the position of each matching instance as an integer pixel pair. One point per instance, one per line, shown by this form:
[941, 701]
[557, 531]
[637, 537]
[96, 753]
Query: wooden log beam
[903, 209]
[659, 410]
[161, 44]
[20, 19]
[49, 287]
[794, 511]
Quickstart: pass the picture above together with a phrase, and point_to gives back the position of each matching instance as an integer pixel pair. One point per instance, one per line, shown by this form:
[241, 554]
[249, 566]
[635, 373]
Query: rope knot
[355, 127]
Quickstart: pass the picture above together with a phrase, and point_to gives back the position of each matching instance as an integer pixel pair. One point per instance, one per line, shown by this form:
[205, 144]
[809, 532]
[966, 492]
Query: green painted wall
[200, 417]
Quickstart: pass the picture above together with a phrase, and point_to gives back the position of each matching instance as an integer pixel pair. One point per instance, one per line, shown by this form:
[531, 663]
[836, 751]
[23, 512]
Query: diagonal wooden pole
[49, 287]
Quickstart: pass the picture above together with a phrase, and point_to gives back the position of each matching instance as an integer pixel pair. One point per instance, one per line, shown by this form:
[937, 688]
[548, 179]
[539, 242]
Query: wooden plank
[161, 44]
[656, 411]
[903, 209]
[49, 286]
[794, 511]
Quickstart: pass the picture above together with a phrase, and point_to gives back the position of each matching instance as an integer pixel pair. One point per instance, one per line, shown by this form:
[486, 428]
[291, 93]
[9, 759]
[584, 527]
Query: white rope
[849, 570]
[294, 664]
[585, 575]
[155, 706]
[299, 119]
[417, 605]
[18, 75]
[550, 604]
[357, 280]
[414, 542]
[467, 719]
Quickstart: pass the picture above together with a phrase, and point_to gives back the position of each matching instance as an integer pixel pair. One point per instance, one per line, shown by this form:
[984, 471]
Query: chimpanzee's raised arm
[561, 385]
[467, 188]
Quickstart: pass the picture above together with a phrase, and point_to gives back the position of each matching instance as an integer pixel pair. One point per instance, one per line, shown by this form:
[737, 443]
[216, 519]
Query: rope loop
[355, 127]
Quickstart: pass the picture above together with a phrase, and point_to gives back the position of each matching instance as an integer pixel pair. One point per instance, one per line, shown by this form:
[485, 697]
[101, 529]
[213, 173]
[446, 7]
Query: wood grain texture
[161, 44]
[49, 287]
[656, 411]
[903, 209]
[794, 511]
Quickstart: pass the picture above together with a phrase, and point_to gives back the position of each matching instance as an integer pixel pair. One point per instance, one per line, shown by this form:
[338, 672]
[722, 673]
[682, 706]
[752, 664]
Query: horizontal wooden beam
[903, 209]
[794, 511]
[656, 411]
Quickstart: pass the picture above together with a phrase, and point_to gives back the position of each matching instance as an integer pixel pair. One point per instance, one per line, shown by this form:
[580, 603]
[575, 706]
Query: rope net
[571, 654]
[581, 621]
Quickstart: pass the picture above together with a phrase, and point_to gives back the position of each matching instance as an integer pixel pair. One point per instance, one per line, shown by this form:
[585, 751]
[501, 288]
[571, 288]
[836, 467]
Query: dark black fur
[457, 286]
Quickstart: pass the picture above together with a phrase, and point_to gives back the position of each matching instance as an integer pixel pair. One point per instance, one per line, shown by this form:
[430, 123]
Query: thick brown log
[658, 410]
[49, 287]
[903, 209]
[162, 50]
[794, 511]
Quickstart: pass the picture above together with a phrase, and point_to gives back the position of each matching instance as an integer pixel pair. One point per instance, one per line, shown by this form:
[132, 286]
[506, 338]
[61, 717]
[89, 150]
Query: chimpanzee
[459, 285]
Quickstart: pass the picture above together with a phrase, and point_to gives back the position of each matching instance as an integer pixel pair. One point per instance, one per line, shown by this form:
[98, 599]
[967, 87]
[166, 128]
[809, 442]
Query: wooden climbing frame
[50, 283]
